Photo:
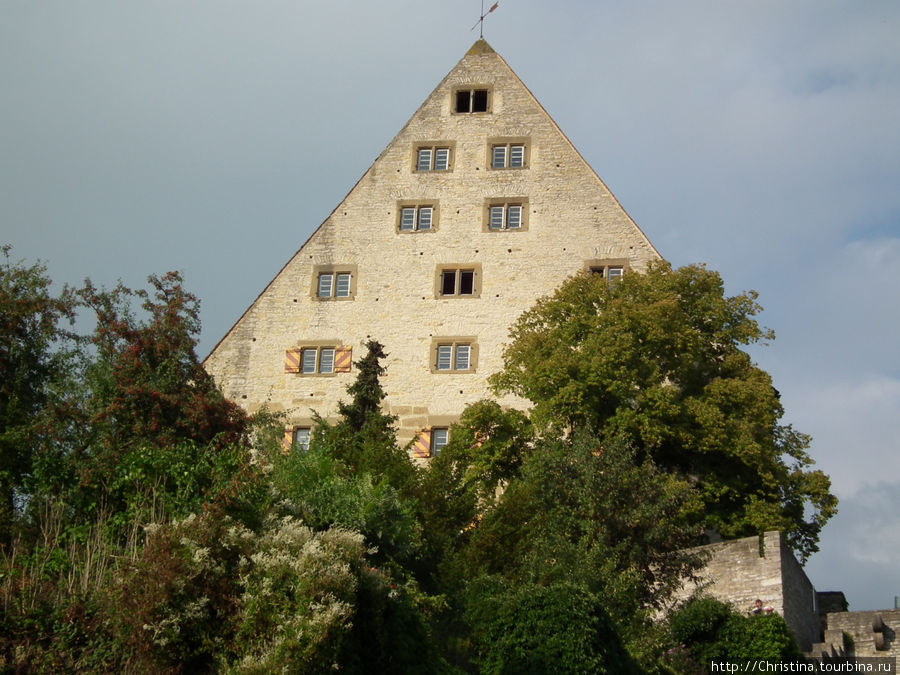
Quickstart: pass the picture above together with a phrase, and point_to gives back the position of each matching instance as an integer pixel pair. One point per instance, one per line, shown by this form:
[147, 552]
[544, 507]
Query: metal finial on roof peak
[480, 21]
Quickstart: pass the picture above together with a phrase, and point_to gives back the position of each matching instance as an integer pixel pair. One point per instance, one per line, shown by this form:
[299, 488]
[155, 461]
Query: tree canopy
[33, 364]
[657, 358]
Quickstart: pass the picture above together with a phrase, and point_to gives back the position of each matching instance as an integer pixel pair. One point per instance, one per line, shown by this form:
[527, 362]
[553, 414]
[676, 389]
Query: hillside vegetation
[150, 525]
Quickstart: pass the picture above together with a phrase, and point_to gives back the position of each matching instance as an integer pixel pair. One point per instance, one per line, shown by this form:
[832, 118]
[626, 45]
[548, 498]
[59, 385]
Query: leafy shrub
[561, 628]
[712, 630]
[322, 493]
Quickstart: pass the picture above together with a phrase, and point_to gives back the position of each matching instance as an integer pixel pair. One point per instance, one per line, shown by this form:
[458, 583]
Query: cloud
[860, 552]
[855, 428]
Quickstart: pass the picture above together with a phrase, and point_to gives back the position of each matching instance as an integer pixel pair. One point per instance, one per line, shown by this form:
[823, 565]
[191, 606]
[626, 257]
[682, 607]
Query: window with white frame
[433, 159]
[301, 437]
[333, 282]
[508, 156]
[317, 360]
[453, 357]
[334, 285]
[457, 282]
[505, 216]
[440, 436]
[471, 100]
[416, 218]
[612, 272]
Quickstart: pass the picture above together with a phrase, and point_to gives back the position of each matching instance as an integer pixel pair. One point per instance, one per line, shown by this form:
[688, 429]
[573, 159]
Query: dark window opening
[458, 282]
[463, 101]
[472, 101]
[448, 282]
[466, 282]
[479, 100]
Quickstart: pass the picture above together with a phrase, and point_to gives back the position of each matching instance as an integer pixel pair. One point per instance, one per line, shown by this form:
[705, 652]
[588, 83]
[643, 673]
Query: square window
[454, 357]
[432, 159]
[416, 218]
[440, 436]
[456, 282]
[508, 156]
[301, 437]
[319, 360]
[505, 217]
[332, 282]
[613, 273]
[471, 100]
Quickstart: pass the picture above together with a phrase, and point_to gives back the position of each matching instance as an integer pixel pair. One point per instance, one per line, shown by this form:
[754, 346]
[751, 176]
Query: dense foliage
[656, 358]
[34, 363]
[151, 525]
[706, 629]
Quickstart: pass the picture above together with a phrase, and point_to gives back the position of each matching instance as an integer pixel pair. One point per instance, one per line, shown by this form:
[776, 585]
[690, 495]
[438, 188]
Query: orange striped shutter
[288, 440]
[292, 361]
[342, 359]
[422, 446]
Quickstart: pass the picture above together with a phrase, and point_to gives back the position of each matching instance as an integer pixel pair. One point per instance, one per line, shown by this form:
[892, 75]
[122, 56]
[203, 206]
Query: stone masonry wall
[570, 220]
[742, 570]
[873, 633]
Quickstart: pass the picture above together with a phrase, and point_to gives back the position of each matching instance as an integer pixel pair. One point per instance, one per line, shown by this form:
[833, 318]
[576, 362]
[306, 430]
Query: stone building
[479, 206]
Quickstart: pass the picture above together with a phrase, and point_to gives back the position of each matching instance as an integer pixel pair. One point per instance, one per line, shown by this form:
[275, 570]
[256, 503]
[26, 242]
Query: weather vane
[481, 18]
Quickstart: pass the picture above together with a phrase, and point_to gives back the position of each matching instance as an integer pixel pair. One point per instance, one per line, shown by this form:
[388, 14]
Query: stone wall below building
[742, 570]
[873, 633]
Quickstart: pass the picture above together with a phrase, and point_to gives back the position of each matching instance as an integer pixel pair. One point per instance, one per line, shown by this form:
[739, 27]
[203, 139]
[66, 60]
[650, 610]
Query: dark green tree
[657, 358]
[363, 438]
[35, 360]
[529, 628]
[590, 514]
[710, 629]
[157, 436]
[486, 450]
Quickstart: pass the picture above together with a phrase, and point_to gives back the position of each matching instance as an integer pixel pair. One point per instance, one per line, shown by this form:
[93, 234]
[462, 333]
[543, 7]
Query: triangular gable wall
[393, 279]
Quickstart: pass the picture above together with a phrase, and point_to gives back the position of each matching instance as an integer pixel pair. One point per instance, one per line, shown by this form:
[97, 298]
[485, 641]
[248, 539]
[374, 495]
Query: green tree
[158, 437]
[363, 438]
[709, 629]
[486, 450]
[34, 362]
[587, 513]
[528, 628]
[657, 358]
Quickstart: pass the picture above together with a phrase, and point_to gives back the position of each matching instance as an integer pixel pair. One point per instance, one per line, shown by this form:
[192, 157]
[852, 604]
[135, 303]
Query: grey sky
[759, 137]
